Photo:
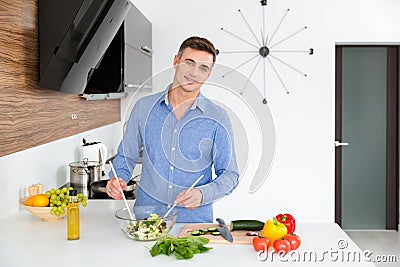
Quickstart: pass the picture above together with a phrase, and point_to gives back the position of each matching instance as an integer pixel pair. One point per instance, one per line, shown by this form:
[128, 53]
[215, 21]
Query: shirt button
[170, 186]
[171, 168]
[175, 130]
[173, 149]
[169, 206]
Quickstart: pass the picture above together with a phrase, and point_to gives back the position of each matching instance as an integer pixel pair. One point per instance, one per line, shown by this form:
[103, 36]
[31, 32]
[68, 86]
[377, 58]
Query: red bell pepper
[288, 220]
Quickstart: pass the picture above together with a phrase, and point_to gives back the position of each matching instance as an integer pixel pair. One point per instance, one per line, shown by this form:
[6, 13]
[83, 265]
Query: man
[183, 136]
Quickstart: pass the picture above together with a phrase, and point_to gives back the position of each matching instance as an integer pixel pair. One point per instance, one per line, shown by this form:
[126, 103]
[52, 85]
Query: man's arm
[225, 165]
[128, 150]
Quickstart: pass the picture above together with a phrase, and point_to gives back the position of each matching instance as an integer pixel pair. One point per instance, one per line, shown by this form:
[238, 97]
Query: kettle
[95, 151]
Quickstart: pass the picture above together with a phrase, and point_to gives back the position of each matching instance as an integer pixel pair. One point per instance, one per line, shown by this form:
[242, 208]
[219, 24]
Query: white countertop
[27, 241]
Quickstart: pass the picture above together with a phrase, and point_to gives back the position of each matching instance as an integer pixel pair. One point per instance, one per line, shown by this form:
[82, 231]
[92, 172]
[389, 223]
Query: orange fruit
[39, 200]
[29, 201]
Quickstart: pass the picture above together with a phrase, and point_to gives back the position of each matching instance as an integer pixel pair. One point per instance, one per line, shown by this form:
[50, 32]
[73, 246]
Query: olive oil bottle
[73, 216]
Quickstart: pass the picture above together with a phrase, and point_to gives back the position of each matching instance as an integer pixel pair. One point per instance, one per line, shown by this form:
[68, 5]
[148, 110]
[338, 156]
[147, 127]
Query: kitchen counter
[27, 241]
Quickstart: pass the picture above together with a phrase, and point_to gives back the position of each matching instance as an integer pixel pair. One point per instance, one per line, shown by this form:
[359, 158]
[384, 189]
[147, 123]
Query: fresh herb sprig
[184, 247]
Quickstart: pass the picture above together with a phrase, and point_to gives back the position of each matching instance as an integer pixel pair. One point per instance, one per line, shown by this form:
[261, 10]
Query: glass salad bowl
[147, 224]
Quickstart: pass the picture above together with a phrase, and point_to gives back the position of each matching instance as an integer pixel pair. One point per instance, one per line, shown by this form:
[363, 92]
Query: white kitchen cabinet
[138, 51]
[138, 69]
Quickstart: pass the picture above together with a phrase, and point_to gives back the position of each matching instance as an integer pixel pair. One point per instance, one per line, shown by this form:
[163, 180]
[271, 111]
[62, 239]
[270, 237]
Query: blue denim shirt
[177, 152]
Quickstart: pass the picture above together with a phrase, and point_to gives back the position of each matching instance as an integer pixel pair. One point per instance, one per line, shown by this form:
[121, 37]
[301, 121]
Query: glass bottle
[73, 216]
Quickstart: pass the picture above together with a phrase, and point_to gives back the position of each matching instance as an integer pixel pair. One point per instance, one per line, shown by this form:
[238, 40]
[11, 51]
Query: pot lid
[85, 163]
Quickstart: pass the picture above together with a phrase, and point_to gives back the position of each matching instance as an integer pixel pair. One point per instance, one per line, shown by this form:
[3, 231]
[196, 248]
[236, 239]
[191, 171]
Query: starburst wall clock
[265, 48]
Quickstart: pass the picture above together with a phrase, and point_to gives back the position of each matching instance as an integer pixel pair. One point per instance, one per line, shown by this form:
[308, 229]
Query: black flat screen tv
[74, 36]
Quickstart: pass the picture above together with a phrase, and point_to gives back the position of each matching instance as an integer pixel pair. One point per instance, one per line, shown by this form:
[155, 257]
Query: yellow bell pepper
[273, 230]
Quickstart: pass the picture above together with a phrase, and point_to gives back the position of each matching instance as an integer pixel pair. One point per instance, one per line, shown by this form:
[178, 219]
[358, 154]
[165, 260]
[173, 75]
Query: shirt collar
[199, 102]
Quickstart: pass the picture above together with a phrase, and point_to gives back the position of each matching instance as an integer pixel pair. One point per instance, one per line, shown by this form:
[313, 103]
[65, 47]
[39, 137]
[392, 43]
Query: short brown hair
[198, 43]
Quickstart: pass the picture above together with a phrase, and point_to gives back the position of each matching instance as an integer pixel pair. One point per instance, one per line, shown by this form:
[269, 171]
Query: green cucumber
[199, 232]
[249, 225]
[202, 232]
[215, 233]
[196, 233]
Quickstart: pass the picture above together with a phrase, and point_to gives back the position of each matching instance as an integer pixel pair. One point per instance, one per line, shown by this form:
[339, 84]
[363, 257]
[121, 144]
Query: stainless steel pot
[82, 173]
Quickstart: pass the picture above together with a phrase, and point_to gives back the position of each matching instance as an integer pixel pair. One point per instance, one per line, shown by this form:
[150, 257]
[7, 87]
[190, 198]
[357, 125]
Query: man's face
[192, 69]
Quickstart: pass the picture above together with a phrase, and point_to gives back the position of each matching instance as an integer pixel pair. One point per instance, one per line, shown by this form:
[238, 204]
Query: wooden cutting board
[239, 237]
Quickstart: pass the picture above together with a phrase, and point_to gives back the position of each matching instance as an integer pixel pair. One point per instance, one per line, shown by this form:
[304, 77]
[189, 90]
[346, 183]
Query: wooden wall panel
[94, 114]
[31, 116]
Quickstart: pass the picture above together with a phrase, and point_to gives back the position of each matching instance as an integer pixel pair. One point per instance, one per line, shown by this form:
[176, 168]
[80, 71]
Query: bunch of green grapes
[59, 199]
[82, 199]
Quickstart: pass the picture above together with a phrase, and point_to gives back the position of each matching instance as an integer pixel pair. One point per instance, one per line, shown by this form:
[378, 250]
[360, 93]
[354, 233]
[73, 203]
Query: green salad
[147, 229]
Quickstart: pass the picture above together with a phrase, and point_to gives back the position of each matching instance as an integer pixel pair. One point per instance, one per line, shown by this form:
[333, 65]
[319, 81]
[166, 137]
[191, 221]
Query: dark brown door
[367, 134]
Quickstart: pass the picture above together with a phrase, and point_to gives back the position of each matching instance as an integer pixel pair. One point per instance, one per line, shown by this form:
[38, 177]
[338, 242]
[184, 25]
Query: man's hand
[191, 200]
[114, 188]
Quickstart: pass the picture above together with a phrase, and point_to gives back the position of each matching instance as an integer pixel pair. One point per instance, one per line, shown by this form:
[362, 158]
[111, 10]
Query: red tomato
[281, 245]
[260, 243]
[294, 241]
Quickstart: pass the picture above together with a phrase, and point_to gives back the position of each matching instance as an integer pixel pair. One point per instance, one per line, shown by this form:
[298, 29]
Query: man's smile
[190, 80]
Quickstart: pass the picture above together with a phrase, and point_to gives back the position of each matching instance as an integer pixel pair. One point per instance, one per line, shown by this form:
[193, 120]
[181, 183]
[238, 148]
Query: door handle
[146, 49]
[337, 143]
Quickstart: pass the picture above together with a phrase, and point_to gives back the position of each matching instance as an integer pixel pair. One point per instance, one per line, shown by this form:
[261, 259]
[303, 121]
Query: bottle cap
[73, 192]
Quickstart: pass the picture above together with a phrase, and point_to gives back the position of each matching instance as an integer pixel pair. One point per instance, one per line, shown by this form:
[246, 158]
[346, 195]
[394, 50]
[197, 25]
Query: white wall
[301, 180]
